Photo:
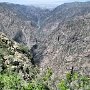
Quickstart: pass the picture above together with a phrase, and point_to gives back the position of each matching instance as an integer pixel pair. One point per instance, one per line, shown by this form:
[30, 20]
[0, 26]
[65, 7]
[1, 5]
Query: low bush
[74, 81]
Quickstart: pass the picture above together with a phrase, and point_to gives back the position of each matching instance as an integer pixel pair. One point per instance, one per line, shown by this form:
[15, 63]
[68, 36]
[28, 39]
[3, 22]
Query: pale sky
[41, 2]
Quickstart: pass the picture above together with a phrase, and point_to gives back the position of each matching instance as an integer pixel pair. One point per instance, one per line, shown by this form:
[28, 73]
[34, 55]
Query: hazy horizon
[41, 3]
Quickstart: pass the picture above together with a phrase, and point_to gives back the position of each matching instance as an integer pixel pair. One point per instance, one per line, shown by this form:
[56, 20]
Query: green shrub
[62, 85]
[10, 82]
[23, 48]
[35, 85]
[74, 82]
[47, 74]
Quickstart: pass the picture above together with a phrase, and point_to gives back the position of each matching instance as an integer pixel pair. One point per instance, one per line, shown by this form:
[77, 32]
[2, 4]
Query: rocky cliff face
[68, 46]
[67, 43]
[59, 38]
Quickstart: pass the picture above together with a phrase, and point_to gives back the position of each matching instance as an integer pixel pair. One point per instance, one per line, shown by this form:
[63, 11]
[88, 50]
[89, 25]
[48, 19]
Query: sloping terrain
[58, 39]
[67, 44]
[27, 13]
[20, 22]
[65, 12]
[17, 71]
[14, 27]
[14, 57]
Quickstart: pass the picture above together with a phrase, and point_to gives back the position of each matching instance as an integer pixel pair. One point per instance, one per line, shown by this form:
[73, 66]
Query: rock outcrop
[15, 57]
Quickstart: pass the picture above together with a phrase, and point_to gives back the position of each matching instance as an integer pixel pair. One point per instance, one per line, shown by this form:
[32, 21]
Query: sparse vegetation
[23, 48]
[16, 74]
[16, 71]
[12, 81]
[75, 82]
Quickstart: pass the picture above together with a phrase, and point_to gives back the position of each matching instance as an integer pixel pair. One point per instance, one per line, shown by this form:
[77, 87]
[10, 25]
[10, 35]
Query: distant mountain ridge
[21, 22]
[26, 13]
